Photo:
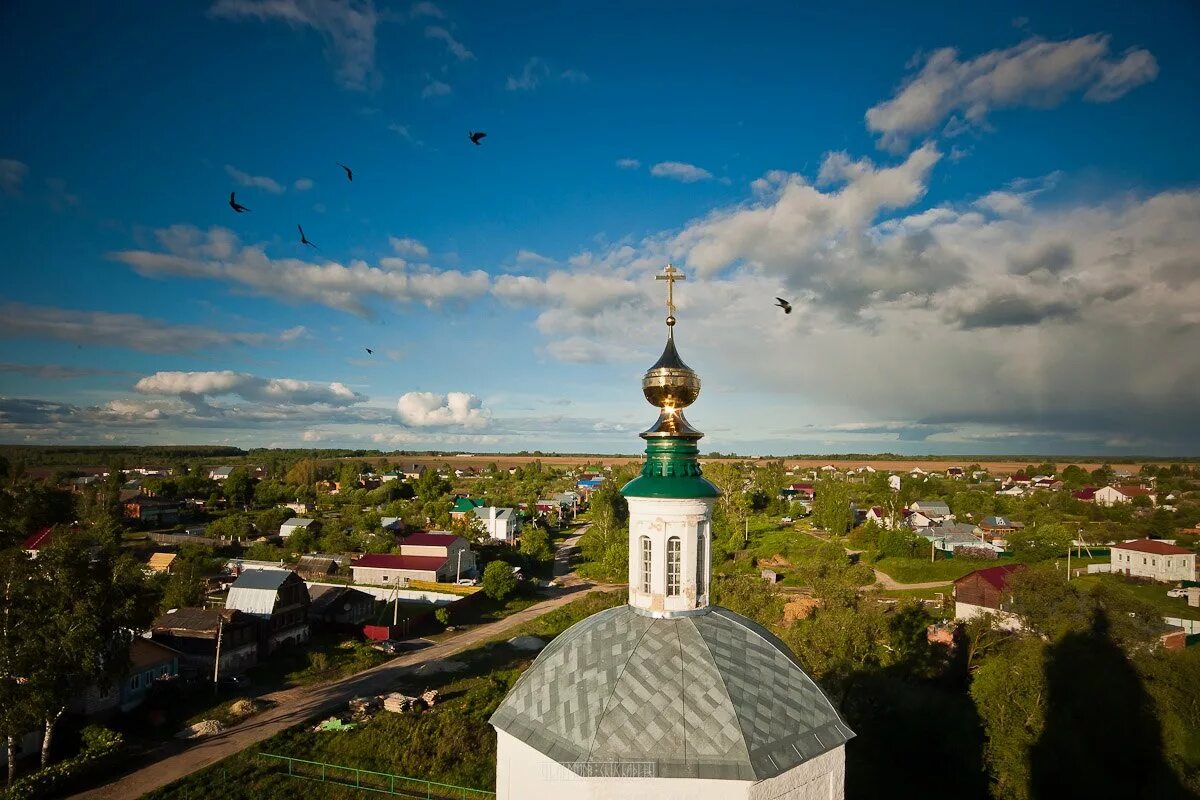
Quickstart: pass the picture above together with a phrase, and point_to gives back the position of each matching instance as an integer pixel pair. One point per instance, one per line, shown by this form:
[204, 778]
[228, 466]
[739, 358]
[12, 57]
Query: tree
[1038, 543]
[239, 487]
[442, 615]
[535, 543]
[1009, 690]
[831, 506]
[498, 580]
[18, 648]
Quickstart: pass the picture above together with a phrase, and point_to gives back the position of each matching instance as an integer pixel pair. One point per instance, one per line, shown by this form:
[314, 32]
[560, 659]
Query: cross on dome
[670, 275]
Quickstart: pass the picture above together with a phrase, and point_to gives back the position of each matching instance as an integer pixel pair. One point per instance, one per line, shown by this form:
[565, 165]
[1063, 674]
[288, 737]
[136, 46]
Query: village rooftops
[1154, 546]
[387, 561]
[40, 539]
[198, 619]
[430, 539]
[996, 576]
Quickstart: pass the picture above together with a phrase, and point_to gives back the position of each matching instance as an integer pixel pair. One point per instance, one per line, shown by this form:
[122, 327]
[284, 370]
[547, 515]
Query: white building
[295, 524]
[501, 524]
[668, 696]
[1115, 495]
[1151, 558]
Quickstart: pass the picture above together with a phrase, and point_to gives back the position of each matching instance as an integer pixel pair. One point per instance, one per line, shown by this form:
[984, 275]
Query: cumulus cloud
[346, 26]
[1035, 73]
[530, 257]
[255, 181]
[538, 71]
[408, 247]
[430, 410]
[436, 88]
[456, 48]
[302, 184]
[134, 331]
[12, 174]
[195, 387]
[629, 163]
[216, 254]
[679, 171]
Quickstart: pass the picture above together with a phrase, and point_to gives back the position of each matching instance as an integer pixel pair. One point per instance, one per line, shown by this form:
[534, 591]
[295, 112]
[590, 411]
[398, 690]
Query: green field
[1153, 593]
[921, 570]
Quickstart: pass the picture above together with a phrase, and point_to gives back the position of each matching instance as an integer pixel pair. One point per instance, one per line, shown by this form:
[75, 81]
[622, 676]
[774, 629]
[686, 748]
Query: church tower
[668, 696]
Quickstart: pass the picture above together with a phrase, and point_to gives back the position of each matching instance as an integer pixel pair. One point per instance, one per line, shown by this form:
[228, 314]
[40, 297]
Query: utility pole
[458, 572]
[217, 660]
[1069, 549]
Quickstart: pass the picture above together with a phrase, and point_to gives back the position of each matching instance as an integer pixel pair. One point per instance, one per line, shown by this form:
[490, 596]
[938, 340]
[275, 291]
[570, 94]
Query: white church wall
[523, 773]
[659, 519]
[822, 778]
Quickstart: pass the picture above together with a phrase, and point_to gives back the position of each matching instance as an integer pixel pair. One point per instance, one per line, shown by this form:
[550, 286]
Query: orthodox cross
[670, 275]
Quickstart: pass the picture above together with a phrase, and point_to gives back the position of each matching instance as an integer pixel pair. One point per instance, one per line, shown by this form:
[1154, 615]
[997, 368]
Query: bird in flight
[784, 304]
[475, 136]
[349, 172]
[370, 352]
[235, 205]
[304, 239]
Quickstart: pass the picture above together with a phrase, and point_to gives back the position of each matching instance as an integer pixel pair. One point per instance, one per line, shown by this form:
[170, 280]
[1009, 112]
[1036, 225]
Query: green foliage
[99, 747]
[749, 596]
[535, 543]
[232, 526]
[831, 506]
[1038, 543]
[442, 615]
[1009, 691]
[498, 580]
[239, 487]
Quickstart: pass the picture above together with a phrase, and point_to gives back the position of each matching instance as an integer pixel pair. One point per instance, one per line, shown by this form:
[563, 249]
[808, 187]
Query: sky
[986, 217]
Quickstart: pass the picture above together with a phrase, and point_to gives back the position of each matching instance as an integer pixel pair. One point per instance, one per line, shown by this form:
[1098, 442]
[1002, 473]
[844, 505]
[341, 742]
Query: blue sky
[985, 216]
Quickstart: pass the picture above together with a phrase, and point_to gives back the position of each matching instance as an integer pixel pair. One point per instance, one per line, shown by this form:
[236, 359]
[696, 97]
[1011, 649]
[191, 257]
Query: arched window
[701, 572]
[645, 581]
[673, 556]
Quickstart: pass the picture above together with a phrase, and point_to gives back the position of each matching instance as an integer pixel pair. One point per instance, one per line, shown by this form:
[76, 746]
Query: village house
[151, 510]
[500, 524]
[1085, 495]
[1115, 495]
[40, 540]
[1154, 559]
[340, 606]
[149, 662]
[949, 536]
[986, 591]
[219, 473]
[279, 600]
[194, 633]
[298, 524]
[162, 562]
[465, 505]
[879, 516]
[424, 556]
[413, 471]
[935, 510]
[299, 507]
[993, 528]
[799, 491]
[317, 566]
[955, 473]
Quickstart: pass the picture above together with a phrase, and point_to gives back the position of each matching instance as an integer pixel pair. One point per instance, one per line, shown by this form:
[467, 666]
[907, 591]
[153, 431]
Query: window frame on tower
[674, 566]
[701, 572]
[647, 562]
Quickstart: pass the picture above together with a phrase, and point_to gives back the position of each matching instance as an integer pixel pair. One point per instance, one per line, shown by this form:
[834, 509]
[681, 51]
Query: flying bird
[304, 239]
[349, 172]
[784, 304]
[235, 205]
[475, 136]
[370, 352]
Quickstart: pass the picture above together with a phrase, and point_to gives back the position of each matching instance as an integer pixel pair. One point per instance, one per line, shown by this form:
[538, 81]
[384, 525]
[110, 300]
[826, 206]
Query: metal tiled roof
[711, 696]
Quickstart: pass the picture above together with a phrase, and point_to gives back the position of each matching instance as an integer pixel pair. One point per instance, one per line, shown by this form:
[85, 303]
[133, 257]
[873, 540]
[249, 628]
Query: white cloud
[346, 26]
[134, 331]
[313, 436]
[436, 88]
[530, 257]
[456, 48]
[216, 254]
[303, 184]
[537, 71]
[426, 10]
[455, 409]
[196, 387]
[12, 174]
[629, 163]
[256, 181]
[404, 132]
[678, 171]
[1035, 73]
[408, 247]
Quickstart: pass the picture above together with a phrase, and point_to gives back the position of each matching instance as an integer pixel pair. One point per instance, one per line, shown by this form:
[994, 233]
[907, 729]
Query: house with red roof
[1085, 495]
[1115, 495]
[1154, 559]
[987, 591]
[39, 540]
[424, 556]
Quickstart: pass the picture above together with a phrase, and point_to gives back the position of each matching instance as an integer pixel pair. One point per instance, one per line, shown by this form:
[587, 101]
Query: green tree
[442, 615]
[535, 543]
[1009, 690]
[498, 580]
[831, 506]
[239, 487]
[19, 647]
[1038, 543]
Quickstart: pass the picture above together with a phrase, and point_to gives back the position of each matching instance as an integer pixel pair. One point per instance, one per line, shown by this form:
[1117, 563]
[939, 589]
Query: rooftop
[386, 561]
[996, 576]
[712, 696]
[1154, 546]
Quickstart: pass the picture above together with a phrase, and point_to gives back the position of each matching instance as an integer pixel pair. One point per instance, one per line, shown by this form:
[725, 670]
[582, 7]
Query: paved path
[566, 548]
[293, 706]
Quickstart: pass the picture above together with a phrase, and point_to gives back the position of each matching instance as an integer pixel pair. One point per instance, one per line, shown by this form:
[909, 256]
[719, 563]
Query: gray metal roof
[711, 696]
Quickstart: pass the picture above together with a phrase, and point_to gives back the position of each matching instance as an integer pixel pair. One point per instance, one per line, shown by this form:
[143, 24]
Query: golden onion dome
[670, 383]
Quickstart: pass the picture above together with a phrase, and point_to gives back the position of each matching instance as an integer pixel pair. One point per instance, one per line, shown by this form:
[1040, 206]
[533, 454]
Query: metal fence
[370, 781]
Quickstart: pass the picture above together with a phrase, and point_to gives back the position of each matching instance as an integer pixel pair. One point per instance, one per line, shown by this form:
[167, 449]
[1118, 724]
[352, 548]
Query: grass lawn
[324, 657]
[452, 743]
[921, 570]
[1153, 593]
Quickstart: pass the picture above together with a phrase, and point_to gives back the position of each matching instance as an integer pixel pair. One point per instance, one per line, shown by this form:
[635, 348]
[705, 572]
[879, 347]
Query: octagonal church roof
[708, 696]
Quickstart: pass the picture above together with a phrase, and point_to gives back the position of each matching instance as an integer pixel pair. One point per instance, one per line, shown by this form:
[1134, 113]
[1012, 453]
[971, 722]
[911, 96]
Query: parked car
[1177, 593]
[468, 581]
[786, 520]
[389, 646]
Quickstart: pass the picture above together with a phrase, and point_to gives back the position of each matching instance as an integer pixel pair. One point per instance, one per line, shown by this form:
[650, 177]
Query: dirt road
[294, 706]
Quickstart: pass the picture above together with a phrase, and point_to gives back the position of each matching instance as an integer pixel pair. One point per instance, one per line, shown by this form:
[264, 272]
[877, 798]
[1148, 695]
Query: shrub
[498, 580]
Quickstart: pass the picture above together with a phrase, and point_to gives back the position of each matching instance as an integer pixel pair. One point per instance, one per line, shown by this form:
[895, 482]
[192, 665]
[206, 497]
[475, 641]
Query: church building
[668, 696]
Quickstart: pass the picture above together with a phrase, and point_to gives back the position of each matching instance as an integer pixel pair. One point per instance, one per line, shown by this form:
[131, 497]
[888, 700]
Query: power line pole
[217, 660]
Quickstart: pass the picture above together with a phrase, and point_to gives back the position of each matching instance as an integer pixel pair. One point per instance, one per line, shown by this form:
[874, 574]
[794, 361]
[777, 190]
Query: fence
[379, 782]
